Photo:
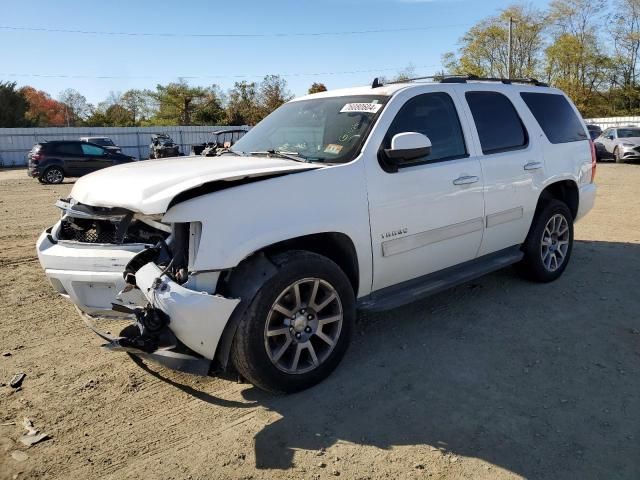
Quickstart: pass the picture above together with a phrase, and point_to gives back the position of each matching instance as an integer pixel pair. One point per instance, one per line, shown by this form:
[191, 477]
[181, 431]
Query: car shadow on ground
[541, 380]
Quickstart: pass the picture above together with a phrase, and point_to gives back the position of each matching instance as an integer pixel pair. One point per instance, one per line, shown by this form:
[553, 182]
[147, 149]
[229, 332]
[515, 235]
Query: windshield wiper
[295, 156]
[227, 150]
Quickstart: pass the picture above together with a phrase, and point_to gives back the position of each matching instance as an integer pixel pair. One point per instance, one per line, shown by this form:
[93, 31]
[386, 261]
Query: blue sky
[162, 59]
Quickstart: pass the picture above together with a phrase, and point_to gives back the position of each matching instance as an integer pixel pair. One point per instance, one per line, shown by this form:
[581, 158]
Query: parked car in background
[594, 131]
[218, 139]
[619, 143]
[104, 142]
[163, 146]
[368, 197]
[51, 162]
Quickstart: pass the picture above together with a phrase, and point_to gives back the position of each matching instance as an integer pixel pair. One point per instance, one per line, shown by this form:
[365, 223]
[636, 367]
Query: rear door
[95, 157]
[512, 165]
[70, 154]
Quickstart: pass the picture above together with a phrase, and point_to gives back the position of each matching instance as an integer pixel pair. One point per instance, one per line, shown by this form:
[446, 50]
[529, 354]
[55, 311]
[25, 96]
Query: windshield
[330, 129]
[628, 132]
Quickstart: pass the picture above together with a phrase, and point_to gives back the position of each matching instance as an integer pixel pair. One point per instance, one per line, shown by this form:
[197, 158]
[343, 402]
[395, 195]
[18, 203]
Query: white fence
[607, 122]
[15, 143]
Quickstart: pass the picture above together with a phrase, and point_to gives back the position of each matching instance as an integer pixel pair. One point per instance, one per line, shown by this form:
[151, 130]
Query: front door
[429, 214]
[95, 157]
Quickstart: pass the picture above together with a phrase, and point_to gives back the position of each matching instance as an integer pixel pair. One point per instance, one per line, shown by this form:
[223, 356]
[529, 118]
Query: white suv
[362, 198]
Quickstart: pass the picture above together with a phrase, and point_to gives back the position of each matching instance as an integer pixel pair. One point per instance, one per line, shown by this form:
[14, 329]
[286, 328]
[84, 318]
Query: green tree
[210, 110]
[273, 93]
[574, 59]
[13, 106]
[177, 103]
[243, 105]
[484, 49]
[625, 31]
[317, 88]
[138, 103]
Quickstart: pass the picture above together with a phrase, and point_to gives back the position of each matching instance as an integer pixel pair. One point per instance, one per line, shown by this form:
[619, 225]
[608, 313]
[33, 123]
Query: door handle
[465, 180]
[533, 166]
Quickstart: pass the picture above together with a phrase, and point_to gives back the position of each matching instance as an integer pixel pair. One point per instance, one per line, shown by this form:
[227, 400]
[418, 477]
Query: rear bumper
[587, 199]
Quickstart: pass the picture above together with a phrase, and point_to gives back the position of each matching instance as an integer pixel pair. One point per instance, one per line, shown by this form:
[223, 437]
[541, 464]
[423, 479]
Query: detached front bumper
[91, 275]
[196, 318]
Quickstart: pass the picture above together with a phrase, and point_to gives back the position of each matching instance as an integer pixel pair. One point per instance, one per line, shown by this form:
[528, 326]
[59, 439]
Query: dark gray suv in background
[51, 162]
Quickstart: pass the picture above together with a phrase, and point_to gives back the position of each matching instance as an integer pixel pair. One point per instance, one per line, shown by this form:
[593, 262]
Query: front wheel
[548, 246]
[617, 157]
[297, 328]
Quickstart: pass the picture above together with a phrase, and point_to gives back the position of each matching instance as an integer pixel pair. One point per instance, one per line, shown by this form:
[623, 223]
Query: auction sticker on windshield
[361, 108]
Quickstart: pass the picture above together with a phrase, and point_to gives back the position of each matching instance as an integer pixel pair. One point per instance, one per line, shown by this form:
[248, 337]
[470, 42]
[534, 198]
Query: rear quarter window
[555, 116]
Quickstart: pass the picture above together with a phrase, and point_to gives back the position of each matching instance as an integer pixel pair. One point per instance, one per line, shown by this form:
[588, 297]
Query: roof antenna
[376, 83]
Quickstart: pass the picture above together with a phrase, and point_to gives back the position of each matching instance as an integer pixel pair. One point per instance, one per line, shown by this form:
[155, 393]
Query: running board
[421, 287]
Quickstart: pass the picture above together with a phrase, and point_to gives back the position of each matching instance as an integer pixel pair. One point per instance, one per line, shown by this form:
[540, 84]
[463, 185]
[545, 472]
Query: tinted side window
[68, 149]
[498, 124]
[556, 117]
[91, 150]
[434, 115]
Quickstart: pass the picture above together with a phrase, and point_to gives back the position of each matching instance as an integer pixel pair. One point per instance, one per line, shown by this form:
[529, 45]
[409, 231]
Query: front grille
[107, 231]
[97, 231]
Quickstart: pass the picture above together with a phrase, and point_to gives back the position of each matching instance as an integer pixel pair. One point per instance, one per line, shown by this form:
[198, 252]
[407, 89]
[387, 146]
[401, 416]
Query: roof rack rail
[464, 79]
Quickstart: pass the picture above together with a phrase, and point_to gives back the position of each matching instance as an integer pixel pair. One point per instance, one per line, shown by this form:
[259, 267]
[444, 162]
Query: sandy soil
[495, 379]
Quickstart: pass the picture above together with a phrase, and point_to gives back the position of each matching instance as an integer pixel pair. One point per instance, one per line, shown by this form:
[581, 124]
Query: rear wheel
[297, 328]
[53, 175]
[548, 246]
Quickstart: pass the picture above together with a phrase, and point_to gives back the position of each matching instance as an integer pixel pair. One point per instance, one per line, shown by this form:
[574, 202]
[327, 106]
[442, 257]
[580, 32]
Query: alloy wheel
[53, 175]
[555, 242]
[303, 325]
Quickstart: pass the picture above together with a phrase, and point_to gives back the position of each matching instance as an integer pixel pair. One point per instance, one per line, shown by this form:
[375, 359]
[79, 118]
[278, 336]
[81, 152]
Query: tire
[547, 248]
[53, 175]
[271, 349]
[616, 156]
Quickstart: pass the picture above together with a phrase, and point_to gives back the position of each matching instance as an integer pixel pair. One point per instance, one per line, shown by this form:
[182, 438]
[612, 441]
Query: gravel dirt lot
[495, 379]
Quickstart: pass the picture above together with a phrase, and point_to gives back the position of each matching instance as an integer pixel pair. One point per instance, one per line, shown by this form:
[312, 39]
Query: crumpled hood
[149, 186]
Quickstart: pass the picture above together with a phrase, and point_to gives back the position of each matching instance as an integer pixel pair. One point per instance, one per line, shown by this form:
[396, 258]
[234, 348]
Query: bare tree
[77, 109]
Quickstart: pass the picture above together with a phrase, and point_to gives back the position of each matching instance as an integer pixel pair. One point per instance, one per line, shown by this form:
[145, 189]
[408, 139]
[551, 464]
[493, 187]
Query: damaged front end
[182, 314]
[177, 317]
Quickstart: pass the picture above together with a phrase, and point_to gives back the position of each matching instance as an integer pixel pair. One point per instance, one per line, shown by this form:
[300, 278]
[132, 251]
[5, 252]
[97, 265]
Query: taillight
[593, 160]
[36, 157]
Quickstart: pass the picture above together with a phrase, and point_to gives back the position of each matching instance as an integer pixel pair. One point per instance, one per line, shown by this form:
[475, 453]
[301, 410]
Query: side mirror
[406, 147]
[610, 136]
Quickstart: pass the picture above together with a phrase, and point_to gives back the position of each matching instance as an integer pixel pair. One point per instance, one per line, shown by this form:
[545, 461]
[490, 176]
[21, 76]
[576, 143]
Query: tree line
[176, 103]
[587, 48]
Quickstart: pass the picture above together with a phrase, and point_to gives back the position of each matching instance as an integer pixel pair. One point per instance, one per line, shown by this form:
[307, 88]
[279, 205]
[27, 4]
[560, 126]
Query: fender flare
[244, 282]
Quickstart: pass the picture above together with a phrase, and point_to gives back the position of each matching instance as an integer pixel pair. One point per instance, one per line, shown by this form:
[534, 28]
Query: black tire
[616, 156]
[533, 265]
[53, 175]
[249, 350]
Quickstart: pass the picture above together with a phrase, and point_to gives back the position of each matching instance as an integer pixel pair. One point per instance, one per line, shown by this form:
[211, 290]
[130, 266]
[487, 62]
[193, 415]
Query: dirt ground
[496, 379]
